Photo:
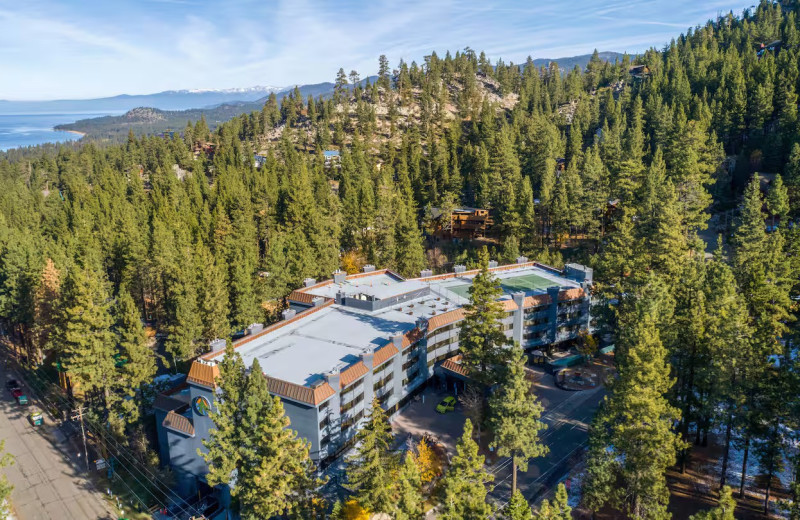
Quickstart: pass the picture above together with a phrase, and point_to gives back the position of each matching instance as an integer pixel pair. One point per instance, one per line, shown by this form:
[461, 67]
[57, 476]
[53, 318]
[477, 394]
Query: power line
[124, 454]
[121, 452]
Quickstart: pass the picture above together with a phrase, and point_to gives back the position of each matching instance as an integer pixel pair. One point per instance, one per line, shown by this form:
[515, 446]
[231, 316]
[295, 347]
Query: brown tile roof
[352, 373]
[383, 354]
[570, 294]
[535, 301]
[301, 297]
[203, 374]
[509, 305]
[445, 318]
[411, 337]
[454, 365]
[177, 422]
[297, 392]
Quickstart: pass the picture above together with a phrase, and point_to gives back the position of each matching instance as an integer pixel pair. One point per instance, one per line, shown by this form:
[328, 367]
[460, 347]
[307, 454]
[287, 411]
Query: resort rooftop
[332, 325]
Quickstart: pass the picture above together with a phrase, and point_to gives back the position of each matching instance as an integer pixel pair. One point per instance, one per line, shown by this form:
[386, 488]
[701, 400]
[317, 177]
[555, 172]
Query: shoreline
[82, 134]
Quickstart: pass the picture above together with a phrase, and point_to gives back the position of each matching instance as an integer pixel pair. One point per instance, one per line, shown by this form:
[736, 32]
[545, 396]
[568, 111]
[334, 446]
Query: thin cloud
[95, 48]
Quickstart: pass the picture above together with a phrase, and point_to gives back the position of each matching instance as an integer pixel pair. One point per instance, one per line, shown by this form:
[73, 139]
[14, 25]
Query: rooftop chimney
[255, 328]
[308, 282]
[519, 298]
[317, 301]
[288, 314]
[458, 269]
[522, 259]
[217, 345]
[492, 264]
[397, 341]
[425, 273]
[339, 277]
[369, 268]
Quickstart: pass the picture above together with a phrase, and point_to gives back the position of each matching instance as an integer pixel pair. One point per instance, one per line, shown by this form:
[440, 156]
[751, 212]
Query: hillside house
[462, 223]
[332, 158]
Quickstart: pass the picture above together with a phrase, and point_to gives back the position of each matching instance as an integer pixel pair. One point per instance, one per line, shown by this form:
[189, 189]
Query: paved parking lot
[567, 415]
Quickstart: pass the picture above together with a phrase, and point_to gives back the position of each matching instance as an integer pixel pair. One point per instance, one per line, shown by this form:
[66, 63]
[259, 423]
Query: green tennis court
[526, 283]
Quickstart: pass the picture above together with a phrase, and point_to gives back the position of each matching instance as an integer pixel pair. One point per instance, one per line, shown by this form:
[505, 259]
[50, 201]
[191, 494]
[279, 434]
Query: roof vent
[217, 345]
[288, 314]
[255, 328]
[522, 259]
[308, 282]
[339, 277]
[369, 268]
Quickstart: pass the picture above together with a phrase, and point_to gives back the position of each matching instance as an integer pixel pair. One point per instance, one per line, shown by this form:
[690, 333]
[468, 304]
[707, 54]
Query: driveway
[46, 485]
[566, 413]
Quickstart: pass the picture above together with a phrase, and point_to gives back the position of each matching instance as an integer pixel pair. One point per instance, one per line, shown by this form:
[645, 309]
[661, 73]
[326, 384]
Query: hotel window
[383, 381]
[349, 405]
[347, 423]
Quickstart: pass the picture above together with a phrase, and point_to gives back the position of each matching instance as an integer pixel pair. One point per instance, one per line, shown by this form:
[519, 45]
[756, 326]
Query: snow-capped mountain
[167, 100]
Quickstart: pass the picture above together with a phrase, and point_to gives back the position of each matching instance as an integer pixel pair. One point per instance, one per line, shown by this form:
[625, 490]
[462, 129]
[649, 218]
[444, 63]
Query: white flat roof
[379, 286]
[336, 336]
[300, 352]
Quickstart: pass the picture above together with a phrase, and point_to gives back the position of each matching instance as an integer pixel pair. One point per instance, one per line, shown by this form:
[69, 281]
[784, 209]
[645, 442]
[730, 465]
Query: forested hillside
[617, 170]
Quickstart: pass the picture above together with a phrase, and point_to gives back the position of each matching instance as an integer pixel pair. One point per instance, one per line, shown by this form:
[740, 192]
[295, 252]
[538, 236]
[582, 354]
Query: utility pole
[78, 415]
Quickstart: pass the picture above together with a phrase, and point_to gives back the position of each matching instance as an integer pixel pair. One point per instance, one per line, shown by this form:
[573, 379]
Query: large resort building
[345, 341]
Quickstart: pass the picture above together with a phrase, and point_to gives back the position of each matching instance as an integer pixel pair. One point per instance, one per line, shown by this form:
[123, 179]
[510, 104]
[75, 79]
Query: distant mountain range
[170, 110]
[569, 63]
[168, 100]
[147, 120]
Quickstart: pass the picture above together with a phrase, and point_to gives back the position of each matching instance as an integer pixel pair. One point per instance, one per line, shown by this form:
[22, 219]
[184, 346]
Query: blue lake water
[18, 130]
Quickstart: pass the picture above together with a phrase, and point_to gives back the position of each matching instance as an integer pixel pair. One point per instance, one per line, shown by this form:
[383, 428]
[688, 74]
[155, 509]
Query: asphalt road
[46, 484]
[566, 436]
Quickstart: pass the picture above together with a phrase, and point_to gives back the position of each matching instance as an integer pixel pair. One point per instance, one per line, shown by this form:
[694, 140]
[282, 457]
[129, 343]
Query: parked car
[36, 418]
[21, 398]
[448, 404]
[12, 385]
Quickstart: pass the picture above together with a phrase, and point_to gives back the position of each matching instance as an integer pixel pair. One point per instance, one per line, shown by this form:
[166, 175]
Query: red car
[21, 398]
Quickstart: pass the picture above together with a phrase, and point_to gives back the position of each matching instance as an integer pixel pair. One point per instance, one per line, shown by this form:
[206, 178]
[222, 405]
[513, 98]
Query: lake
[18, 130]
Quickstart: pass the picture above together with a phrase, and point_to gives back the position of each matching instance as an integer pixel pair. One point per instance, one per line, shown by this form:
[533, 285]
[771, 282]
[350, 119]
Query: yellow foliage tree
[353, 511]
[430, 465]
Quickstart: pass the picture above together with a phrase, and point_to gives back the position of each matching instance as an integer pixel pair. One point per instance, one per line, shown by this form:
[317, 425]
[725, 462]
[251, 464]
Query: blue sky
[89, 48]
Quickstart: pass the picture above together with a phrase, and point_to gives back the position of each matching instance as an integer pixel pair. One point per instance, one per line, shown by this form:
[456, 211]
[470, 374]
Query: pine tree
[518, 508]
[371, 468]
[724, 511]
[213, 299]
[44, 310]
[251, 439]
[778, 199]
[139, 363]
[515, 417]
[409, 501]
[481, 338]
[464, 485]
[274, 461]
[631, 442]
[87, 340]
[558, 509]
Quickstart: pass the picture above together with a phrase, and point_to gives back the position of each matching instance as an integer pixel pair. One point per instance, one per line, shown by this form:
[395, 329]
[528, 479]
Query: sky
[73, 49]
